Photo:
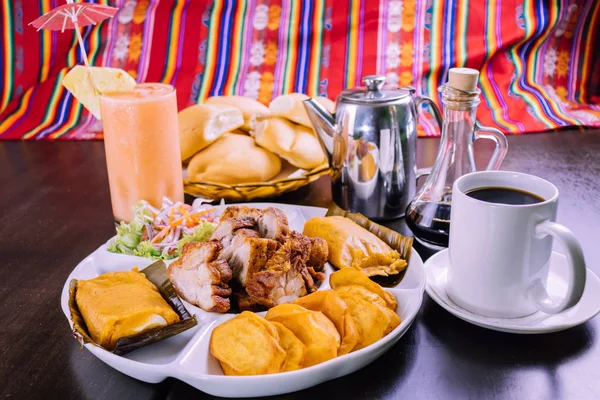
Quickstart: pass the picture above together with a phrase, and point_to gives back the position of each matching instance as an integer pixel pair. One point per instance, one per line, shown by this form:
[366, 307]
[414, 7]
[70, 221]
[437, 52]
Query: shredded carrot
[202, 212]
[176, 222]
[188, 219]
[195, 217]
[161, 235]
[191, 221]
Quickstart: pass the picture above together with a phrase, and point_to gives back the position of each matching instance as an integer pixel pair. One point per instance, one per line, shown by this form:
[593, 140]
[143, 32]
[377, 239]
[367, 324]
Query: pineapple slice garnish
[78, 81]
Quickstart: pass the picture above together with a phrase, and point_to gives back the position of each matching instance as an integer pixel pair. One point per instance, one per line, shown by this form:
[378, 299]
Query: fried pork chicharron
[256, 248]
[273, 224]
[318, 254]
[274, 264]
[201, 278]
[246, 253]
[287, 275]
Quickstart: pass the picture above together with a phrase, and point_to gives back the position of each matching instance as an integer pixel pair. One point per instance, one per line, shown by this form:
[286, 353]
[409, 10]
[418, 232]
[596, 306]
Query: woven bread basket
[253, 191]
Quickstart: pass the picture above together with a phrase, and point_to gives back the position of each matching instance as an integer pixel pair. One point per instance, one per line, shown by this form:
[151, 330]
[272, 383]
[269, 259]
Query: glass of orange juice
[141, 139]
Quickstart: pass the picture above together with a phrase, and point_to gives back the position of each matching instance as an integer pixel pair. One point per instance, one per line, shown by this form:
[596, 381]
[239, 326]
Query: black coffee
[503, 195]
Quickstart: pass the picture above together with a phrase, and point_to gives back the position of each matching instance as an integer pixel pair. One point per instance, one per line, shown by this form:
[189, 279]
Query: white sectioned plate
[186, 356]
[436, 270]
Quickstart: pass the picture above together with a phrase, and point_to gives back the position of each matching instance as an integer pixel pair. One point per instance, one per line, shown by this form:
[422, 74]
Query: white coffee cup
[500, 253]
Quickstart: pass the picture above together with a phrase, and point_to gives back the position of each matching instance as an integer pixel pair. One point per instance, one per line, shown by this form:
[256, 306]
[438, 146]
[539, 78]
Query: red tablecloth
[538, 59]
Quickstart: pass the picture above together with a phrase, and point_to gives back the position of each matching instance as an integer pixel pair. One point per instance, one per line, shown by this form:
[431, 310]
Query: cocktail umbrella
[73, 16]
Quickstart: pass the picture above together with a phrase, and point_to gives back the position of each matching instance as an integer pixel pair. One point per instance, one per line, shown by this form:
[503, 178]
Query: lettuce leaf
[145, 249]
[128, 238]
[142, 213]
[201, 234]
[116, 247]
[129, 235]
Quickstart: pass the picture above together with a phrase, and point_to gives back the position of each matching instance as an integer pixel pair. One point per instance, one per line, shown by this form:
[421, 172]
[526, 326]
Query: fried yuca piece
[363, 293]
[393, 318]
[244, 346]
[350, 276]
[313, 328]
[294, 348]
[360, 291]
[372, 322]
[334, 308]
[273, 331]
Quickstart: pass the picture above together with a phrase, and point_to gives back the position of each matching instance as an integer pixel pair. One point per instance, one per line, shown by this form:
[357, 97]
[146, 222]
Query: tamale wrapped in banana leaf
[148, 304]
[356, 242]
[402, 244]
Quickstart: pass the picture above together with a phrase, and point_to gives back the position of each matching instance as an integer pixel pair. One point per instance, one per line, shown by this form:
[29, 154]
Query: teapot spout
[323, 122]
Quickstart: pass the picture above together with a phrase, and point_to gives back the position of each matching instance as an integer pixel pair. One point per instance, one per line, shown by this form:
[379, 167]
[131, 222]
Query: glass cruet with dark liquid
[428, 215]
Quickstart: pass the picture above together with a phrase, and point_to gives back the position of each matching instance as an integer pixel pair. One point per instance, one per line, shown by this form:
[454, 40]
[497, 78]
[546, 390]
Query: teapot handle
[436, 111]
[484, 132]
[424, 172]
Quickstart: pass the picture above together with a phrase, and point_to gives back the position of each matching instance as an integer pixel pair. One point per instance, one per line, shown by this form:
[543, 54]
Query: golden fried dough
[351, 276]
[334, 308]
[372, 322]
[313, 328]
[268, 325]
[294, 348]
[363, 293]
[244, 346]
[393, 318]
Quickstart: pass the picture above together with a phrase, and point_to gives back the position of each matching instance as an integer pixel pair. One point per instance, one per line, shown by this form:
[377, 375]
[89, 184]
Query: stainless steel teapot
[371, 143]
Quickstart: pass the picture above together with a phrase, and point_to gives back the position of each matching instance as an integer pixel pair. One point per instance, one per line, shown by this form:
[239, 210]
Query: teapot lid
[374, 92]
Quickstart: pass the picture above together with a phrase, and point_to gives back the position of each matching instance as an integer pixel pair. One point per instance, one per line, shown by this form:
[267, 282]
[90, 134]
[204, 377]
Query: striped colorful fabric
[538, 59]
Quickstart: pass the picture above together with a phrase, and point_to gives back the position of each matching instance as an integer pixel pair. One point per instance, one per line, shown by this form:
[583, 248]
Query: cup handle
[484, 132]
[577, 270]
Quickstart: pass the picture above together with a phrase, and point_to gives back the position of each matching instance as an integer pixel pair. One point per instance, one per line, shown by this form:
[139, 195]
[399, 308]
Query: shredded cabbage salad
[161, 233]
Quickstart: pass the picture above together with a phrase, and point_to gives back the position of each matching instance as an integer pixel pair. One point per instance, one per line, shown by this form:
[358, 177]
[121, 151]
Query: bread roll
[249, 108]
[294, 143]
[275, 134]
[202, 124]
[233, 159]
[290, 106]
[307, 152]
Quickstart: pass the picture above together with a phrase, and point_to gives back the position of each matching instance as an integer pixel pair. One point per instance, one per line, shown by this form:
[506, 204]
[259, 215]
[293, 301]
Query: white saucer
[436, 268]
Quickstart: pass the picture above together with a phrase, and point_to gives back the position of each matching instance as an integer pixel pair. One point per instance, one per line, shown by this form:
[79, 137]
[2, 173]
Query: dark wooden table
[55, 210]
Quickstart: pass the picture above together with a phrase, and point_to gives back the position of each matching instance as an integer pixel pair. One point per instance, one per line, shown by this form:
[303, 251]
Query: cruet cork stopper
[463, 79]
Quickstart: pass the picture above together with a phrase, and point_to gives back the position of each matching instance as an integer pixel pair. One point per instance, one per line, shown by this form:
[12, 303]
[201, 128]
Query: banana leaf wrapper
[157, 274]
[395, 240]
